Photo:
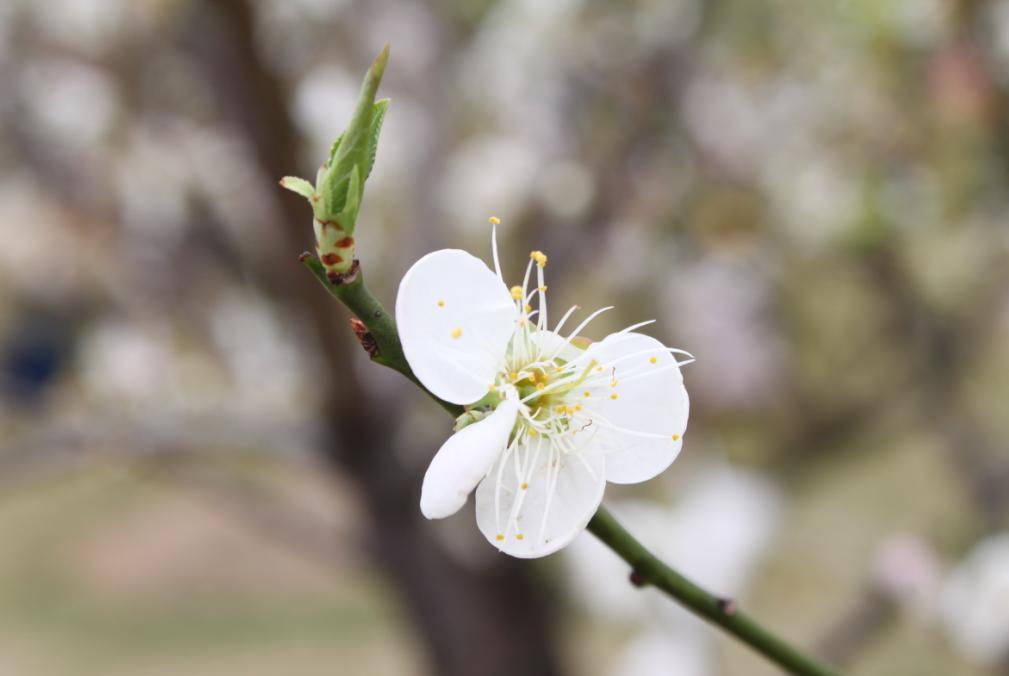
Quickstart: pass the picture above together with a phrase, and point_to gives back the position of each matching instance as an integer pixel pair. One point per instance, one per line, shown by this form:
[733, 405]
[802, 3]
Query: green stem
[646, 568]
[355, 295]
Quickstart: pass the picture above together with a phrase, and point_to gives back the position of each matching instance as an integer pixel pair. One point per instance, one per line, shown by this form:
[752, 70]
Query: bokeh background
[201, 473]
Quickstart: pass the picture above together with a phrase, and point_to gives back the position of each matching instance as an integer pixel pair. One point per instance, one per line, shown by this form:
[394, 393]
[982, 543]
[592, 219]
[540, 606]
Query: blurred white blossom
[715, 534]
[488, 172]
[975, 602]
[54, 108]
[140, 369]
[268, 375]
[324, 98]
[906, 569]
[90, 25]
[659, 653]
[723, 306]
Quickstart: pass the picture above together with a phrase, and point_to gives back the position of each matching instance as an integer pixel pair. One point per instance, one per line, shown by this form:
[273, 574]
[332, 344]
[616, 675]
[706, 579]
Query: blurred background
[201, 473]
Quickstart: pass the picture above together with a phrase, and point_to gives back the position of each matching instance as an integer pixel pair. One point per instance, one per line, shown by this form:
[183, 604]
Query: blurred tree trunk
[473, 621]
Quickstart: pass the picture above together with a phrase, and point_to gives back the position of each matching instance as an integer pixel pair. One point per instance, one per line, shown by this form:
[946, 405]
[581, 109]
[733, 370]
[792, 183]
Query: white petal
[455, 318]
[563, 492]
[650, 409]
[463, 461]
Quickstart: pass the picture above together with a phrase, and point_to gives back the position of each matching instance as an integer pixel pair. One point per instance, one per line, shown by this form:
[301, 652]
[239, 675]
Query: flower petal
[455, 318]
[463, 461]
[644, 414]
[539, 510]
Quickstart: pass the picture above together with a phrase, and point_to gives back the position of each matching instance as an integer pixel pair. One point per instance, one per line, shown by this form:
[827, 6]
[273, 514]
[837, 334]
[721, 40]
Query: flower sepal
[478, 410]
[469, 417]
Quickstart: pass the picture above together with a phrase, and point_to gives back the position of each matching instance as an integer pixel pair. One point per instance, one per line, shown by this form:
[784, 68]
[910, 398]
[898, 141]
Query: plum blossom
[550, 417]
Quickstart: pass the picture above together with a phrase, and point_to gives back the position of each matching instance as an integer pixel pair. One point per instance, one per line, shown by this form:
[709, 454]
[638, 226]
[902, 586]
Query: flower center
[549, 390]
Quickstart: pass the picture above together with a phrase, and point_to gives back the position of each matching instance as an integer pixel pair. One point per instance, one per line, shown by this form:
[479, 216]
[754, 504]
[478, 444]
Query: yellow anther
[499, 537]
[528, 308]
[456, 332]
[578, 407]
[539, 257]
[540, 386]
[495, 220]
[561, 408]
[543, 289]
[513, 375]
[653, 360]
[613, 396]
[587, 393]
[520, 536]
[517, 292]
[533, 432]
[524, 486]
[613, 383]
[676, 437]
[441, 303]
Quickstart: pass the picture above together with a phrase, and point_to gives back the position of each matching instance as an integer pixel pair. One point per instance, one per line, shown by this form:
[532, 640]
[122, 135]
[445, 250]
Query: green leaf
[334, 196]
[353, 202]
[333, 149]
[298, 185]
[356, 143]
[353, 152]
[378, 116]
[468, 418]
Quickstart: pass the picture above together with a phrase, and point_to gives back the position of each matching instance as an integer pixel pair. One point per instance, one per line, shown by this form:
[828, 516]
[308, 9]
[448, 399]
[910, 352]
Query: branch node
[637, 579]
[338, 278]
[364, 337]
[727, 606]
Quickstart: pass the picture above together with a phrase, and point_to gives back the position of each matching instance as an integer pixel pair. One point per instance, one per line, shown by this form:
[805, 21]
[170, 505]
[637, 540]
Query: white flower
[975, 602]
[554, 421]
